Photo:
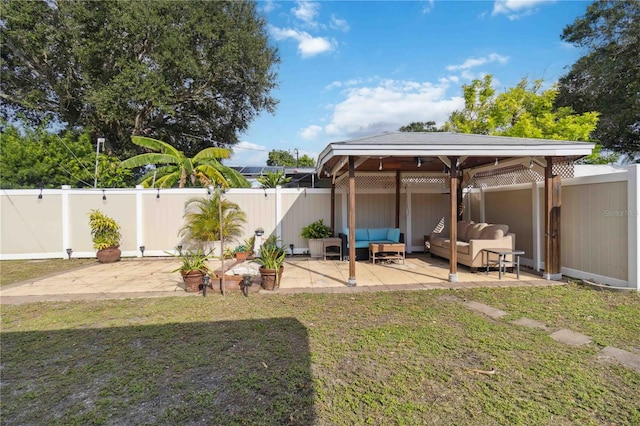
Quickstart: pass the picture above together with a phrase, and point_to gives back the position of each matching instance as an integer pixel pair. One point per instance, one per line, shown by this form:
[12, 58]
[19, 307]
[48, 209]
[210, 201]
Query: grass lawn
[370, 358]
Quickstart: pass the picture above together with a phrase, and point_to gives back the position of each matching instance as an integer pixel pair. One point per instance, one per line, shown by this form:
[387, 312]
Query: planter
[269, 281]
[192, 281]
[242, 256]
[315, 247]
[108, 255]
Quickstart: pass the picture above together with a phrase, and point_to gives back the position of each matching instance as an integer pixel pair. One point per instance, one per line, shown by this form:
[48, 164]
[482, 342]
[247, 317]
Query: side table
[329, 246]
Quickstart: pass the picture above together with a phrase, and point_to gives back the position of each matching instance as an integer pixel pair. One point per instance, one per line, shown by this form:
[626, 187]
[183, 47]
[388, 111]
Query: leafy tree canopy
[522, 111]
[607, 78]
[271, 180]
[173, 167]
[192, 73]
[286, 159]
[37, 158]
[420, 126]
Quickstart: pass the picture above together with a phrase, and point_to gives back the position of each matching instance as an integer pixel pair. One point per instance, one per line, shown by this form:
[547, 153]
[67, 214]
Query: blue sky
[356, 68]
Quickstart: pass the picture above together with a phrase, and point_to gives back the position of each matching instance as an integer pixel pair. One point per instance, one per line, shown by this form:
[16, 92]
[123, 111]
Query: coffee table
[502, 261]
[386, 251]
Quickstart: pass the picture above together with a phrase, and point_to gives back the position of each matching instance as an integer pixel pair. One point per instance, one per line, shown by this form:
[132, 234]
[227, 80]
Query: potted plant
[271, 261]
[105, 233]
[193, 268]
[241, 252]
[315, 232]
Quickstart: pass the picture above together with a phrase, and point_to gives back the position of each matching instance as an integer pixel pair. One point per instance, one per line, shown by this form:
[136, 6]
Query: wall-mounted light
[158, 194]
[265, 192]
[104, 196]
[40, 194]
[531, 163]
[380, 166]
[419, 162]
[495, 163]
[142, 250]
[179, 248]
[69, 251]
[209, 190]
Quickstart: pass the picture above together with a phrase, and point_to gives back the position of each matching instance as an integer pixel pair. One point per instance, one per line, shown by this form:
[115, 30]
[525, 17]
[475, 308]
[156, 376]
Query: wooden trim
[453, 216]
[552, 204]
[352, 222]
[397, 199]
[333, 208]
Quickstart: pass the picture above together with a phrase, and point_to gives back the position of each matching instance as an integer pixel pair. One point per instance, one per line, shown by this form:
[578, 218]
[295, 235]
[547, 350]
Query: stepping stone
[485, 309]
[628, 359]
[570, 337]
[528, 322]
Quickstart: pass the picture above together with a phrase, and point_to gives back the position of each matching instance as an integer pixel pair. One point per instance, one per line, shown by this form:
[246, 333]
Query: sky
[351, 69]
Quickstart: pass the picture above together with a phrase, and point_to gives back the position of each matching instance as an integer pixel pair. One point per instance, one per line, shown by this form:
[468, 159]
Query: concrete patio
[153, 277]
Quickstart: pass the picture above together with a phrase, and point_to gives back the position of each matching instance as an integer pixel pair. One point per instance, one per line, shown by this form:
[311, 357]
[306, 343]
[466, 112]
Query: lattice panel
[370, 182]
[435, 182]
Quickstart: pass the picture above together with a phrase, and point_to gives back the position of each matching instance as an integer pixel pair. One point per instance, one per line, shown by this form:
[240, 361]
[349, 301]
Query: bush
[316, 230]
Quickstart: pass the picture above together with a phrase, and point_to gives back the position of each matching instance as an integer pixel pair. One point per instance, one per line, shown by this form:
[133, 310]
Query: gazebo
[456, 160]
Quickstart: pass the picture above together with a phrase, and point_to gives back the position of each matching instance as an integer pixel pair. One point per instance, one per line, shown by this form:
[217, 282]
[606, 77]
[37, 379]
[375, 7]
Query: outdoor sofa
[472, 239]
[364, 236]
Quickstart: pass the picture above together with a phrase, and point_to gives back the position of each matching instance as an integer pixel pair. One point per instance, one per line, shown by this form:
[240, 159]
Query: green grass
[13, 271]
[372, 358]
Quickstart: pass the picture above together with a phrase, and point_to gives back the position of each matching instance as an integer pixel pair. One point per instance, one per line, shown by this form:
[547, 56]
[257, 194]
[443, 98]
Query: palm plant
[271, 180]
[202, 223]
[173, 167]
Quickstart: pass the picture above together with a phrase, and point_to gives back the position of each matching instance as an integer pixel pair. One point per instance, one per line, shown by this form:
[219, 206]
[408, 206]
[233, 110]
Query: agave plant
[202, 223]
[173, 167]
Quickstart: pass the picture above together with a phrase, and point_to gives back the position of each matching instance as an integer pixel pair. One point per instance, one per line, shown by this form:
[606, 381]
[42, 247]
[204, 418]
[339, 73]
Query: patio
[133, 278]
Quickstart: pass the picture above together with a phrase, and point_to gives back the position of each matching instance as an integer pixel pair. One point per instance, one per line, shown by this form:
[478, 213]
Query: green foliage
[271, 180]
[607, 78]
[202, 220]
[193, 73]
[280, 158]
[598, 156]
[271, 256]
[193, 260]
[316, 230]
[242, 248]
[522, 111]
[105, 231]
[420, 126]
[204, 168]
[42, 159]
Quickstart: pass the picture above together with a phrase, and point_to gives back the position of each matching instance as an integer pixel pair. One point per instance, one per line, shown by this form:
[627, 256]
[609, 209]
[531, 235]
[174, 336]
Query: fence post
[65, 220]
[633, 225]
[139, 222]
[279, 213]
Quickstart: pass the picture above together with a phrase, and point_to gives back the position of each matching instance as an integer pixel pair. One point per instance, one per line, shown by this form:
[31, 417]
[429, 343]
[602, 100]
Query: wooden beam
[333, 209]
[453, 221]
[352, 223]
[552, 204]
[398, 199]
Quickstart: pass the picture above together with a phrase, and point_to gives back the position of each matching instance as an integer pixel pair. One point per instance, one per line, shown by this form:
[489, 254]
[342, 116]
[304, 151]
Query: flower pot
[269, 281]
[315, 247]
[192, 281]
[108, 255]
[242, 256]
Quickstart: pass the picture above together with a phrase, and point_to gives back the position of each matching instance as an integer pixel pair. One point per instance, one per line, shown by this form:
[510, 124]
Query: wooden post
[333, 208]
[453, 220]
[552, 203]
[397, 198]
[352, 223]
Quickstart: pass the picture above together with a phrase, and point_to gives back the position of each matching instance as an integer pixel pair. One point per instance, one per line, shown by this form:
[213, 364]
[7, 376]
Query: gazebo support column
[453, 220]
[333, 208]
[352, 223]
[397, 198]
[552, 203]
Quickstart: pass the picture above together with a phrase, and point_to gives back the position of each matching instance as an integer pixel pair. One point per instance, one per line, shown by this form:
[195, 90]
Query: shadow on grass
[247, 372]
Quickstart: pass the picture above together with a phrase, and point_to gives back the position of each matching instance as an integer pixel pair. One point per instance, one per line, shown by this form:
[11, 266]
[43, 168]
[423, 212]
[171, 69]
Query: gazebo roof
[402, 150]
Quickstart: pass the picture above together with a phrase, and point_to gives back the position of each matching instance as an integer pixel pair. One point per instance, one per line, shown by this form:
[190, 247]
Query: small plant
[240, 249]
[105, 231]
[193, 260]
[271, 257]
[316, 230]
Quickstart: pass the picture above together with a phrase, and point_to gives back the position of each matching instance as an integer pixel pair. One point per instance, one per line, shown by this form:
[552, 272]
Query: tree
[204, 168]
[202, 220]
[283, 158]
[39, 158]
[271, 180]
[607, 78]
[306, 161]
[522, 111]
[420, 126]
[192, 73]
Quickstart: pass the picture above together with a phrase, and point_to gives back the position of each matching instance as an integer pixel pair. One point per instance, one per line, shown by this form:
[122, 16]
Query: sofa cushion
[437, 241]
[463, 225]
[362, 234]
[393, 234]
[474, 231]
[362, 244]
[462, 247]
[377, 234]
[494, 232]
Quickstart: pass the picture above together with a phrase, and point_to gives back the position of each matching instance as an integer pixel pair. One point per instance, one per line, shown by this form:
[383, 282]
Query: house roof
[401, 151]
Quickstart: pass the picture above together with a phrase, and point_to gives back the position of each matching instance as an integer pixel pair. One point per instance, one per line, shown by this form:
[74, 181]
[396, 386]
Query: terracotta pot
[269, 281]
[193, 281]
[108, 255]
[242, 256]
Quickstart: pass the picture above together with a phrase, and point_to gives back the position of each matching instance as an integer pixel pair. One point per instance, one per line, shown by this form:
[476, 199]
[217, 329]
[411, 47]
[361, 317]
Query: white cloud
[516, 9]
[339, 24]
[311, 132]
[307, 11]
[248, 154]
[476, 62]
[269, 6]
[427, 6]
[388, 105]
[307, 45]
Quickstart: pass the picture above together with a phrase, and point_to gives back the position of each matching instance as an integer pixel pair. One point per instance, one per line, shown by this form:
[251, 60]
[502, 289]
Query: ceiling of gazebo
[429, 151]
